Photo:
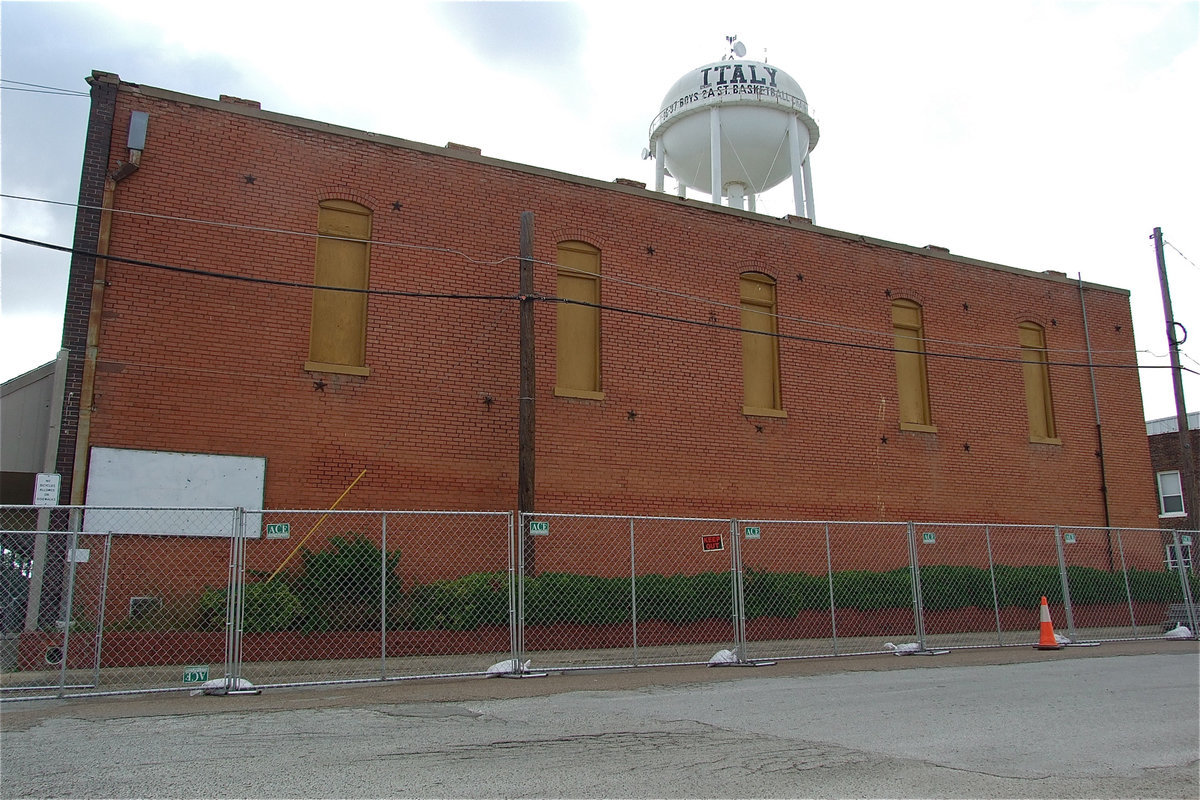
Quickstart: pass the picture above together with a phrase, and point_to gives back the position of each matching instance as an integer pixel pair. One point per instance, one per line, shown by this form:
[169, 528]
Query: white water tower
[735, 128]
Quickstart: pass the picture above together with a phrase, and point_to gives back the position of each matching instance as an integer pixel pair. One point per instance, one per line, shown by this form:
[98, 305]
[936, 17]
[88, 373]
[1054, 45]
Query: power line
[264, 229]
[20, 86]
[603, 307]
[1181, 255]
[503, 259]
[853, 345]
[264, 281]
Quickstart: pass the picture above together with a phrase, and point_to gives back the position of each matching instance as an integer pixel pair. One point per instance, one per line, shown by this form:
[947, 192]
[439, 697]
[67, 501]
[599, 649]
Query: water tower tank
[735, 128]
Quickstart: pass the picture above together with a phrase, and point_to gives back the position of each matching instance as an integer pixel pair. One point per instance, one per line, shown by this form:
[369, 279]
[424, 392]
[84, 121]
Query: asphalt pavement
[1114, 721]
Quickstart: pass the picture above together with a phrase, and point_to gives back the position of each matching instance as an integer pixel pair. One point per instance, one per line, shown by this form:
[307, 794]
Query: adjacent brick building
[880, 380]
[1175, 509]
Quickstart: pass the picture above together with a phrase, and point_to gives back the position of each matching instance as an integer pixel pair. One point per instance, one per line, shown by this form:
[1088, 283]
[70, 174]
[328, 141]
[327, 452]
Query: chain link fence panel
[608, 591]
[787, 589]
[116, 599]
[1121, 582]
[344, 596]
[871, 576]
[108, 600]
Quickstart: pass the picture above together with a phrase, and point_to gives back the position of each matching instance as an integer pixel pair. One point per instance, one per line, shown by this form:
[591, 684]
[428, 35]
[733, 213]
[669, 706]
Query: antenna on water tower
[735, 128]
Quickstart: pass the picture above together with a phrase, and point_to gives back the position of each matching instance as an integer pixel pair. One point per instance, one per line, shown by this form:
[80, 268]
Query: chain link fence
[601, 591]
[109, 600]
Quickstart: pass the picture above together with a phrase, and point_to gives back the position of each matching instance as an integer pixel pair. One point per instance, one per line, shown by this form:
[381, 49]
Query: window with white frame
[1170, 495]
[1185, 552]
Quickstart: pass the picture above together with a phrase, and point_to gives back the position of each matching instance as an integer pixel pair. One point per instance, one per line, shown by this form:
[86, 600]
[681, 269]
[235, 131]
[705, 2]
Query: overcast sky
[1037, 135]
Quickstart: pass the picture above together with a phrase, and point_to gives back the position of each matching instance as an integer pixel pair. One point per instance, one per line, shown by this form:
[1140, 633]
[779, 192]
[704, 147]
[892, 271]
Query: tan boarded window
[1038, 402]
[912, 382]
[578, 342]
[337, 341]
[760, 347]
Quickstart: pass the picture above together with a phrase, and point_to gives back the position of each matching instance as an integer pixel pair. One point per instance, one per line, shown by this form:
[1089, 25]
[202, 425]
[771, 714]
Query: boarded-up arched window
[1038, 403]
[912, 382]
[760, 346]
[578, 332]
[337, 339]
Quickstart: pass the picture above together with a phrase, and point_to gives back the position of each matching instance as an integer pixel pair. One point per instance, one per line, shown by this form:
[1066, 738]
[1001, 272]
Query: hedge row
[482, 599]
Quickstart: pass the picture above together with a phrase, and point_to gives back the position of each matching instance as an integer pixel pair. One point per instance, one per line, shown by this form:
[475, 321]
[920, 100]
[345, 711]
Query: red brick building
[712, 361]
[1176, 510]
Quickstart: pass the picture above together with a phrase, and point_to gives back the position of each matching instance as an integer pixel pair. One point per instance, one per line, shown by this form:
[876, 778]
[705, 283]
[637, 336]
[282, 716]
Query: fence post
[987, 535]
[633, 618]
[516, 569]
[915, 572]
[738, 591]
[1185, 585]
[76, 526]
[829, 583]
[235, 606]
[1066, 584]
[103, 606]
[383, 598]
[1125, 576]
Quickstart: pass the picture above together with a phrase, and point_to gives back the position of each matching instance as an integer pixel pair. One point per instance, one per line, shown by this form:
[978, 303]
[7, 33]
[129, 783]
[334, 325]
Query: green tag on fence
[197, 674]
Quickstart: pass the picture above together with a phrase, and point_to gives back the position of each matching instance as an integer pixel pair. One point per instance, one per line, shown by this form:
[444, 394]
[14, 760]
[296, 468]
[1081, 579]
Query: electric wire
[1181, 255]
[853, 345]
[21, 86]
[264, 229]
[600, 306]
[539, 262]
[264, 281]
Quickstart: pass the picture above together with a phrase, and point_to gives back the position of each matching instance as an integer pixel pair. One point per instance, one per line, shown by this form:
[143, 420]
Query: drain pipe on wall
[1087, 339]
[137, 143]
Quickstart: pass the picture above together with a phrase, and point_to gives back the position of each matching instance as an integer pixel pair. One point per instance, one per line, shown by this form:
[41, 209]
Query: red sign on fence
[712, 542]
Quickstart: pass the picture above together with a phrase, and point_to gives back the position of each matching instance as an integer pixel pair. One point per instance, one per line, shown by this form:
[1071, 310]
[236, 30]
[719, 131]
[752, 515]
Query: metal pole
[76, 524]
[513, 644]
[829, 582]
[810, 210]
[739, 597]
[1125, 576]
[103, 604]
[660, 169]
[714, 143]
[797, 159]
[383, 598]
[1087, 339]
[915, 573]
[1185, 585]
[633, 590]
[987, 535]
[1187, 471]
[1066, 584]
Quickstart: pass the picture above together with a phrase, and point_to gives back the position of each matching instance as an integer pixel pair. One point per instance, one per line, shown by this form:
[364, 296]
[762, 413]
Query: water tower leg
[794, 156]
[751, 198]
[660, 155]
[737, 195]
[714, 135]
[809, 209]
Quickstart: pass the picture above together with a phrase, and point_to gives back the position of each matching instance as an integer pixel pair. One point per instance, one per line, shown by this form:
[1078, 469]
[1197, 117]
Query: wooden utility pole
[525, 428]
[1187, 470]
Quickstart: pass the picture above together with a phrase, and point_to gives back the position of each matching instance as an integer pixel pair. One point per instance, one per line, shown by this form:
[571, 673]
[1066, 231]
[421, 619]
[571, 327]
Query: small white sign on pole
[46, 488]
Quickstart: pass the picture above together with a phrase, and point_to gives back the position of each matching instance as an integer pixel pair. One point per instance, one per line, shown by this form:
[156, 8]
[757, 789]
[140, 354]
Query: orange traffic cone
[1047, 641]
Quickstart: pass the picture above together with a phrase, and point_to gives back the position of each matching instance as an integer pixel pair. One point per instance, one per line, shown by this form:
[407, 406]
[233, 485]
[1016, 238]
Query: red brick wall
[1164, 456]
[198, 364]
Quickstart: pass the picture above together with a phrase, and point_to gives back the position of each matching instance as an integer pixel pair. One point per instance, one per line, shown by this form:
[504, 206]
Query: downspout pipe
[1099, 430]
[99, 282]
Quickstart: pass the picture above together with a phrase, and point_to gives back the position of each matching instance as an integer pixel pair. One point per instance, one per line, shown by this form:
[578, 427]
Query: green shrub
[462, 604]
[339, 588]
[269, 606]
